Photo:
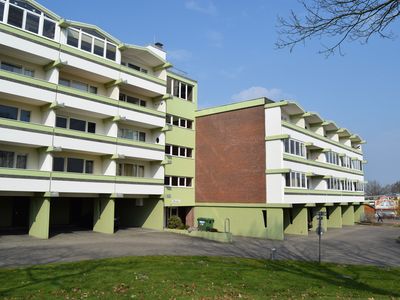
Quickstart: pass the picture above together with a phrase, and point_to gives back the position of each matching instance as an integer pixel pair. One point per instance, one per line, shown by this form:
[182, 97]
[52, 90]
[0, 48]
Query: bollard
[273, 251]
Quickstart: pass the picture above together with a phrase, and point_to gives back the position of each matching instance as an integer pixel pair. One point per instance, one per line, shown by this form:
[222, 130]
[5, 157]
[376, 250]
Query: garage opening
[71, 214]
[139, 213]
[14, 215]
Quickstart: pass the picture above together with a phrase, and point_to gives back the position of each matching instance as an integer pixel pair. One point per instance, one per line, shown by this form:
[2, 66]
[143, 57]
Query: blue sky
[228, 47]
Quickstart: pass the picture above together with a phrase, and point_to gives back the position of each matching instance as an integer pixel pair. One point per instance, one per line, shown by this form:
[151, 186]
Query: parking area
[354, 244]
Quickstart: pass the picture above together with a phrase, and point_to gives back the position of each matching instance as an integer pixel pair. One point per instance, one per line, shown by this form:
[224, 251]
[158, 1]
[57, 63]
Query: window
[132, 100]
[86, 42]
[179, 89]
[77, 85]
[333, 183]
[58, 164]
[32, 23]
[296, 179]
[21, 161]
[131, 134]
[25, 116]
[72, 37]
[75, 165]
[10, 112]
[346, 162]
[15, 16]
[98, 48]
[1, 11]
[294, 147]
[178, 181]
[111, 51]
[178, 151]
[132, 170]
[75, 124]
[332, 157]
[16, 69]
[6, 159]
[357, 164]
[49, 28]
[177, 121]
[134, 67]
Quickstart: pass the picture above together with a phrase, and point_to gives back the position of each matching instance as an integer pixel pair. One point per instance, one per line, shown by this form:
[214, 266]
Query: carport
[67, 214]
[138, 212]
[14, 215]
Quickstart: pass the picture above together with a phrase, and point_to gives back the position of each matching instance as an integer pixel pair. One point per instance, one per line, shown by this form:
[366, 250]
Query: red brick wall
[230, 157]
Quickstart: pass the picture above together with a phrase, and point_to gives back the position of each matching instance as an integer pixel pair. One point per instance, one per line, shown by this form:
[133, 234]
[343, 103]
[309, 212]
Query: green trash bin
[205, 224]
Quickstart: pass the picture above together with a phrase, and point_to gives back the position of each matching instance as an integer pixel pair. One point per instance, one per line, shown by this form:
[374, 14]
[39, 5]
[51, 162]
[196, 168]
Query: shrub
[175, 222]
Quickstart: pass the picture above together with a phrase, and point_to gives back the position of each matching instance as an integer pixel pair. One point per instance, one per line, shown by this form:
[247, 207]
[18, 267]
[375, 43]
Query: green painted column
[39, 217]
[155, 214]
[103, 215]
[348, 215]
[359, 213]
[299, 220]
[275, 229]
[335, 216]
[315, 220]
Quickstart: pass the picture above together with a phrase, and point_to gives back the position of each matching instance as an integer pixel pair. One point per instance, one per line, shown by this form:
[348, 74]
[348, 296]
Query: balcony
[41, 136]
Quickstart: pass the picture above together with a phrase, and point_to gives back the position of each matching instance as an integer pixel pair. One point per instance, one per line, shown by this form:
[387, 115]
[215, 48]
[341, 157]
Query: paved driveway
[354, 244]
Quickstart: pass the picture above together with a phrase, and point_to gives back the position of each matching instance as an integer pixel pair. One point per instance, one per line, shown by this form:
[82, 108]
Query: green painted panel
[243, 221]
[335, 216]
[6, 211]
[181, 167]
[348, 215]
[181, 108]
[275, 225]
[39, 217]
[359, 213]
[154, 214]
[230, 107]
[321, 192]
[181, 137]
[103, 215]
[179, 196]
[295, 220]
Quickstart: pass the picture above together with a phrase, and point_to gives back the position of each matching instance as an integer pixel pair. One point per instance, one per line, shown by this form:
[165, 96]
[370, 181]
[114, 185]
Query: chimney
[159, 45]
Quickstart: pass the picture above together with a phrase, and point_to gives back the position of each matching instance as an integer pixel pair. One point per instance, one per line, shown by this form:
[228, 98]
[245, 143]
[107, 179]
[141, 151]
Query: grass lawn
[166, 277]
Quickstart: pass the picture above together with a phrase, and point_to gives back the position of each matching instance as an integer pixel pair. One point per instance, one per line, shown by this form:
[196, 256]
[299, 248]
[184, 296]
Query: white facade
[310, 160]
[80, 112]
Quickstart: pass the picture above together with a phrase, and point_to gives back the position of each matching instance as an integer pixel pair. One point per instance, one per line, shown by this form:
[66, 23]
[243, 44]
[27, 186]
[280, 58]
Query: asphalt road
[358, 244]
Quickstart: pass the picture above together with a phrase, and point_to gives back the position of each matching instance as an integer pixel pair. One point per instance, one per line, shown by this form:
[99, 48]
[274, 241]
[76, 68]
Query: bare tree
[374, 188]
[342, 20]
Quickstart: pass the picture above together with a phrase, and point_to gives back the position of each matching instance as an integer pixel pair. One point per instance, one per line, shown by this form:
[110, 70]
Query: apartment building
[100, 134]
[268, 167]
[82, 125]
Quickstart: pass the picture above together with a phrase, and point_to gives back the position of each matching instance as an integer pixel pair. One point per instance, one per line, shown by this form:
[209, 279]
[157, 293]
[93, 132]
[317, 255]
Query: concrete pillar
[315, 220]
[348, 215]
[359, 213]
[275, 223]
[299, 220]
[335, 216]
[154, 209]
[103, 215]
[39, 217]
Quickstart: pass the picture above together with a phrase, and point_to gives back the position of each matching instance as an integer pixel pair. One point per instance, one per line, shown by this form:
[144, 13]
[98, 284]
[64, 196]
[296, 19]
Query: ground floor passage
[44, 217]
[274, 222]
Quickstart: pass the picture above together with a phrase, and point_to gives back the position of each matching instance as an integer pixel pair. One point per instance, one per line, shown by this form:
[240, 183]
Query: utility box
[205, 224]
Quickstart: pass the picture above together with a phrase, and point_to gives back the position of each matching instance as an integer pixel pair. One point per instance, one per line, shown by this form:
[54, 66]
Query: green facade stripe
[277, 171]
[321, 192]
[230, 107]
[76, 134]
[244, 205]
[77, 93]
[277, 137]
[320, 164]
[276, 104]
[317, 136]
